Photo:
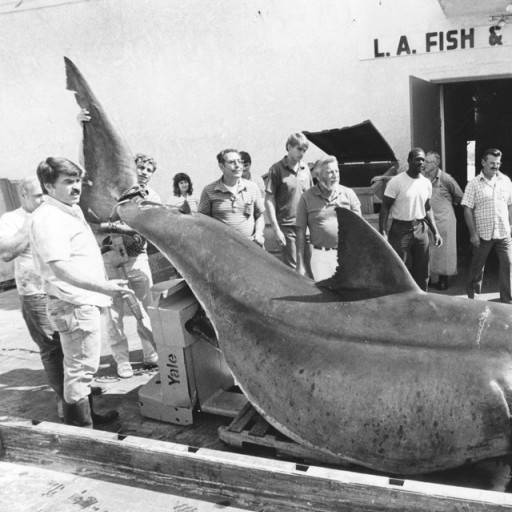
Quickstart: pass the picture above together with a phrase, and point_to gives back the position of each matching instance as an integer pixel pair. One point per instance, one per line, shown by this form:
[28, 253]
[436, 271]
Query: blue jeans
[289, 252]
[139, 278]
[410, 241]
[33, 309]
[479, 257]
[80, 335]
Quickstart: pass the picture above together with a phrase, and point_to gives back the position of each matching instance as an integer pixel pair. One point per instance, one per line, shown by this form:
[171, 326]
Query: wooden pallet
[249, 429]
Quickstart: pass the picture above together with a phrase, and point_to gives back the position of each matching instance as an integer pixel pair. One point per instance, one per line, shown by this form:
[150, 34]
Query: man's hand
[280, 236]
[475, 240]
[438, 240]
[83, 116]
[300, 268]
[259, 238]
[113, 286]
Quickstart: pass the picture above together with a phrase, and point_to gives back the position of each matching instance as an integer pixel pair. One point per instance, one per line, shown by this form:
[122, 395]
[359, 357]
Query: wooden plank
[243, 418]
[24, 488]
[260, 428]
[240, 480]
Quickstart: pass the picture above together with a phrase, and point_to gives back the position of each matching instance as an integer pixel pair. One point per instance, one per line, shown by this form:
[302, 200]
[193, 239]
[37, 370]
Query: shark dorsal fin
[367, 265]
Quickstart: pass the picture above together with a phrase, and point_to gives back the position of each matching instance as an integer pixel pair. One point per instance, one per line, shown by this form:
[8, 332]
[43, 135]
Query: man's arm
[510, 215]
[438, 240]
[270, 206]
[12, 244]
[70, 273]
[470, 223]
[387, 202]
[259, 227]
[300, 240]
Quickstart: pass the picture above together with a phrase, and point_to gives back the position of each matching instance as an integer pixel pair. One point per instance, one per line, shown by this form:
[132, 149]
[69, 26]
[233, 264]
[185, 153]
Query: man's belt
[413, 222]
[324, 248]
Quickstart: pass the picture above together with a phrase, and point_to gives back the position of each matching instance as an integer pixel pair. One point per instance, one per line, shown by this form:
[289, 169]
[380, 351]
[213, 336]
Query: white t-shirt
[60, 233]
[410, 195]
[27, 277]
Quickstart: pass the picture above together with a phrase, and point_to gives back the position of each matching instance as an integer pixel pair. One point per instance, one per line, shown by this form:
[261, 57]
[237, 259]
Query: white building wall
[184, 79]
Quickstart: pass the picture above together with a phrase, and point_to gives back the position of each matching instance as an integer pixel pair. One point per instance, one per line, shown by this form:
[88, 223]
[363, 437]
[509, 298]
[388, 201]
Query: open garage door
[425, 108]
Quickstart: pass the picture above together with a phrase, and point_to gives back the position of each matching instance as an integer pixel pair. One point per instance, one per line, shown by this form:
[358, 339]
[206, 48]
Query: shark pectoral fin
[367, 265]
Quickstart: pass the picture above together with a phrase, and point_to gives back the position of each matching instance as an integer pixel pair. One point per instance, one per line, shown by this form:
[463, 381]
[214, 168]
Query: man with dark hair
[287, 180]
[487, 206]
[407, 199]
[66, 252]
[233, 199]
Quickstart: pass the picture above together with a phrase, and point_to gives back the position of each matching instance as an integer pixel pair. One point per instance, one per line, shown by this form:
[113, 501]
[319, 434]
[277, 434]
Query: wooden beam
[226, 477]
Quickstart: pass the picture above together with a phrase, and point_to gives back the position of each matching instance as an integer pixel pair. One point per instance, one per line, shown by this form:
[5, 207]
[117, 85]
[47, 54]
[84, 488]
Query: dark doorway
[476, 114]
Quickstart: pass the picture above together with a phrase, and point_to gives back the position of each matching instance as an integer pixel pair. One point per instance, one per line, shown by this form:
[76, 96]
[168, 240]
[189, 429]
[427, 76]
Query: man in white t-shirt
[407, 200]
[70, 263]
[14, 245]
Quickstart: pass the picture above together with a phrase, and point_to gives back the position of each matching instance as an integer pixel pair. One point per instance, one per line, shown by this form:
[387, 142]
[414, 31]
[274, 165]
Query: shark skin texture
[109, 164]
[405, 383]
[363, 366]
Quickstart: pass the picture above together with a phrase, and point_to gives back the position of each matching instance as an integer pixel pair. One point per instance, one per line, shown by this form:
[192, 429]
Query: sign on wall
[462, 39]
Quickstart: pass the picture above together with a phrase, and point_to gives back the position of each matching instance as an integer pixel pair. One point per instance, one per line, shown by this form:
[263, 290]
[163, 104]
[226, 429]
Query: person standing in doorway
[487, 206]
[445, 194]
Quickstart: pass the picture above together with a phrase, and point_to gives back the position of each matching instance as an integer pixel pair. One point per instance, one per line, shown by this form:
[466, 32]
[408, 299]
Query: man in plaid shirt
[487, 206]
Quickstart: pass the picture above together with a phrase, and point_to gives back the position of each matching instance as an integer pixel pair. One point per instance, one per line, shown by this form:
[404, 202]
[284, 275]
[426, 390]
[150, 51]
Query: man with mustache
[487, 206]
[70, 263]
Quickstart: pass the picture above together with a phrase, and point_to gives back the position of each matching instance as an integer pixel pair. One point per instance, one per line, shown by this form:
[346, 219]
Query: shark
[364, 367]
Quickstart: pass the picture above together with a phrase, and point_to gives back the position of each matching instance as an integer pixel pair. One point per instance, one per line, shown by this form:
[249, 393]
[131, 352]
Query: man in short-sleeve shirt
[407, 200]
[287, 180]
[233, 200]
[317, 211]
[70, 262]
[14, 244]
[487, 203]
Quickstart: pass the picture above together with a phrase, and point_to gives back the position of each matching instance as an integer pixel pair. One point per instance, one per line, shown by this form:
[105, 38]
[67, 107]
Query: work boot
[100, 420]
[97, 390]
[78, 413]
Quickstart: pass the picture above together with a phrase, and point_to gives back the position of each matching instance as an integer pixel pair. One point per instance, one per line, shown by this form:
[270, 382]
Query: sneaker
[124, 370]
[151, 360]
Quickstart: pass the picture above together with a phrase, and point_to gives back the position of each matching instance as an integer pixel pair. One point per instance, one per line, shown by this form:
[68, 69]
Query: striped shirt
[239, 209]
[489, 200]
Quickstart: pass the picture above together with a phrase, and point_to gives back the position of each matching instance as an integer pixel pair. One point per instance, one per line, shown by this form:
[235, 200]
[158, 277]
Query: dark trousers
[410, 241]
[479, 257]
[289, 251]
[33, 309]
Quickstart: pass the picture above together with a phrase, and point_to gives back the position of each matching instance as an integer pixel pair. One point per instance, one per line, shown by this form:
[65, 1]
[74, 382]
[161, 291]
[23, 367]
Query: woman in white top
[183, 190]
